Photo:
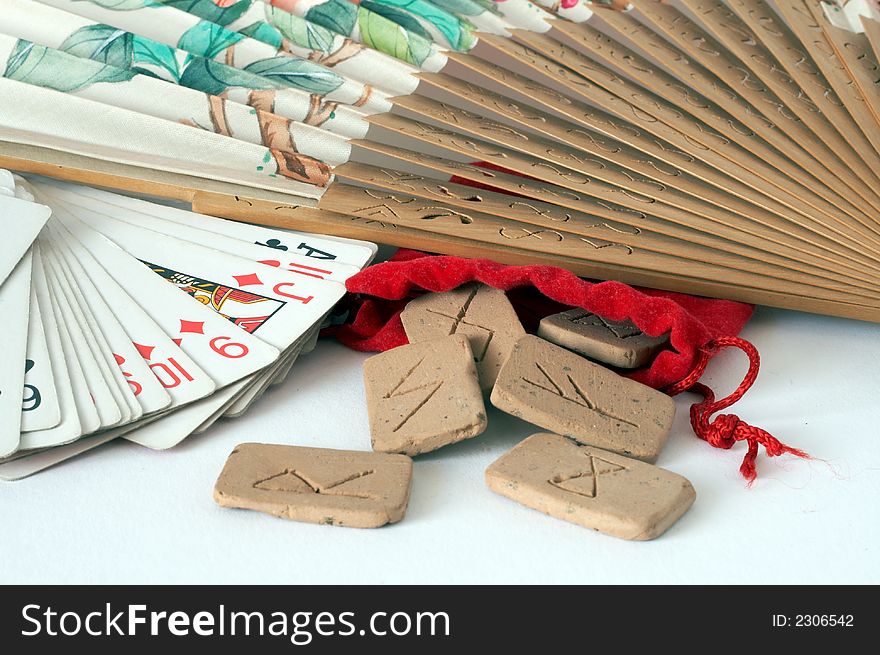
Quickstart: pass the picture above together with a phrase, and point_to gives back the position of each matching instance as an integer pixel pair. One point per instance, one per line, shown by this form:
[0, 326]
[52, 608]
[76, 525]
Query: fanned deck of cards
[141, 321]
[728, 148]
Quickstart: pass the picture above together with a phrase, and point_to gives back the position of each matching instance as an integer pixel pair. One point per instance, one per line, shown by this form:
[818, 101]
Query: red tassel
[727, 429]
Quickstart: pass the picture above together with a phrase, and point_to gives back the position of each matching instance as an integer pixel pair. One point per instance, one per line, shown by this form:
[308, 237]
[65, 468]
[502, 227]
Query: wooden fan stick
[872, 34]
[845, 139]
[698, 148]
[854, 51]
[565, 167]
[454, 146]
[634, 215]
[250, 209]
[824, 85]
[409, 209]
[706, 98]
[622, 167]
[181, 165]
[695, 43]
[847, 62]
[696, 137]
[656, 181]
[683, 154]
[404, 191]
[820, 71]
[608, 135]
[271, 208]
[398, 207]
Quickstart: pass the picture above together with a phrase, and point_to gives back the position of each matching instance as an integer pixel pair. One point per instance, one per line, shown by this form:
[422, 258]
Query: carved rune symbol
[459, 320]
[585, 482]
[382, 209]
[433, 212]
[572, 392]
[443, 191]
[428, 212]
[399, 389]
[620, 331]
[398, 179]
[291, 481]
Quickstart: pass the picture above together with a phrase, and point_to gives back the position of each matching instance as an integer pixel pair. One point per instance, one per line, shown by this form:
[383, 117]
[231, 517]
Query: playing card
[282, 374]
[16, 468]
[224, 351]
[67, 377]
[169, 430]
[68, 293]
[29, 219]
[273, 304]
[215, 241]
[144, 388]
[40, 407]
[7, 183]
[102, 218]
[21, 191]
[15, 295]
[319, 248]
[84, 348]
[246, 399]
[180, 377]
[246, 394]
[236, 406]
[248, 294]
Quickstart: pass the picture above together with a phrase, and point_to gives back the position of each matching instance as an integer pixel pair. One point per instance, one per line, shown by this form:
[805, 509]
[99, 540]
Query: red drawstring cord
[727, 429]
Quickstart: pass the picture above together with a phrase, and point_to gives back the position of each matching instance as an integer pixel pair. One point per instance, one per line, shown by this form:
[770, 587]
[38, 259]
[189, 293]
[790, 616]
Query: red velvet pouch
[698, 327]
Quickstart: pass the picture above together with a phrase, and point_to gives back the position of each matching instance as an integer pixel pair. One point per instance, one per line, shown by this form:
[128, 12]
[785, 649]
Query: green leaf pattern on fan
[300, 31]
[40, 66]
[102, 43]
[338, 16]
[297, 73]
[124, 5]
[222, 13]
[386, 36]
[208, 39]
[457, 32]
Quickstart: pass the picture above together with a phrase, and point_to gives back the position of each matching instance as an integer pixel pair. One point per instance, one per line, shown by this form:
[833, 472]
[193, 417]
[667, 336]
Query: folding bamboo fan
[725, 148]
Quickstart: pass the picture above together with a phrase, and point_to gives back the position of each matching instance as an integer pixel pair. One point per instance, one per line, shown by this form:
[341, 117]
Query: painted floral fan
[725, 148]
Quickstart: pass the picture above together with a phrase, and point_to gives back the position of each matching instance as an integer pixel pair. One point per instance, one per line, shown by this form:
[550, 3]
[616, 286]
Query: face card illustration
[245, 309]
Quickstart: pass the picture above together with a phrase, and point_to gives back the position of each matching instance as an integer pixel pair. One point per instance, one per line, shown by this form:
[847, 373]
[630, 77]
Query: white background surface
[123, 514]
